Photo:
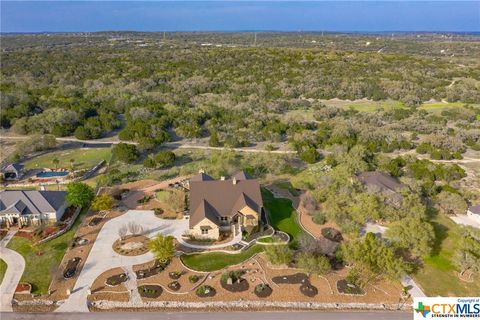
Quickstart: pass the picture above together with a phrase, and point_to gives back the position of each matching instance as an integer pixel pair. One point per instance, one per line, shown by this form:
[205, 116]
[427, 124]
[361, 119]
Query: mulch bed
[344, 287]
[69, 212]
[156, 269]
[296, 278]
[150, 291]
[205, 291]
[117, 245]
[23, 287]
[174, 286]
[175, 275]
[332, 234]
[238, 284]
[116, 279]
[71, 268]
[308, 290]
[95, 221]
[306, 287]
[263, 290]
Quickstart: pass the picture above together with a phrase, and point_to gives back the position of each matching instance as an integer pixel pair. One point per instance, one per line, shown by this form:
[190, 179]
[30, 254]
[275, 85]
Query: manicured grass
[267, 240]
[438, 277]
[84, 158]
[287, 186]
[281, 215]
[3, 269]
[39, 269]
[217, 260]
[163, 195]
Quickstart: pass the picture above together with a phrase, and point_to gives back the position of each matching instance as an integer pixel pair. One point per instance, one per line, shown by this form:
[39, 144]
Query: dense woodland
[154, 88]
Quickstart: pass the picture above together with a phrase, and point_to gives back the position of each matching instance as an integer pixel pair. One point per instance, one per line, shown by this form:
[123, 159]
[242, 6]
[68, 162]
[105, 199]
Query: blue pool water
[51, 174]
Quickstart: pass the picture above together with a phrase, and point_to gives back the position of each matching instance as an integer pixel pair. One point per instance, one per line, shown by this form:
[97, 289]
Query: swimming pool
[51, 174]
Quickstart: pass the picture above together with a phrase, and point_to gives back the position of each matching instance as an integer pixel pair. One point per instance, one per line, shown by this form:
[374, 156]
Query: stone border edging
[248, 304]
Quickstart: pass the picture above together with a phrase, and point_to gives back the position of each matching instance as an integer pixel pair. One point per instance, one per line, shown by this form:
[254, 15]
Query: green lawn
[281, 215]
[217, 260]
[3, 269]
[438, 276]
[39, 269]
[84, 158]
[286, 185]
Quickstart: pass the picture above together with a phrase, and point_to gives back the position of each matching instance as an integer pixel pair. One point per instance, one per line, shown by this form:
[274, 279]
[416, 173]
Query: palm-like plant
[162, 247]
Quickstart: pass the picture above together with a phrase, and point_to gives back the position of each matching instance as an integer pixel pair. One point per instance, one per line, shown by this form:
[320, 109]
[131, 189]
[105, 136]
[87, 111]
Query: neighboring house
[474, 212]
[21, 207]
[216, 206]
[13, 171]
[376, 181]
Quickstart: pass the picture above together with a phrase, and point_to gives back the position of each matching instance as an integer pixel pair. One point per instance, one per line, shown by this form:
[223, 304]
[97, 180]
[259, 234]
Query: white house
[22, 207]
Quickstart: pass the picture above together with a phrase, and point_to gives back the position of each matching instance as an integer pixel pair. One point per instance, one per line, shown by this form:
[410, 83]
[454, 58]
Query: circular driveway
[102, 257]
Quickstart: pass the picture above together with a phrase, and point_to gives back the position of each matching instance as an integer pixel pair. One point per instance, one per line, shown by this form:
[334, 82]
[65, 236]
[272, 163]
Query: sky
[342, 16]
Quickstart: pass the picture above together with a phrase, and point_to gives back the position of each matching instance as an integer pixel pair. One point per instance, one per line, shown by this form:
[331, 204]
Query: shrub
[319, 218]
[125, 152]
[193, 278]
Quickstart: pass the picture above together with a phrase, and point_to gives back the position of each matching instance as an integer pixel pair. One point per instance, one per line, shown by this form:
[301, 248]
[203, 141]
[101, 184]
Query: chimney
[222, 178]
[234, 180]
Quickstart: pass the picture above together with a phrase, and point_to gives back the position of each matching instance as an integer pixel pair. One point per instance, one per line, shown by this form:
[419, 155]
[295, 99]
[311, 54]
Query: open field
[3, 269]
[217, 260]
[39, 268]
[440, 266]
[84, 158]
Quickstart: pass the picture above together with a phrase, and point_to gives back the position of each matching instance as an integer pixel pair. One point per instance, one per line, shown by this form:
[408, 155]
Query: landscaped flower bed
[343, 287]
[262, 290]
[332, 234]
[174, 286]
[205, 291]
[71, 267]
[95, 221]
[116, 279]
[306, 288]
[193, 278]
[175, 275]
[23, 287]
[156, 269]
[150, 291]
[132, 245]
[233, 281]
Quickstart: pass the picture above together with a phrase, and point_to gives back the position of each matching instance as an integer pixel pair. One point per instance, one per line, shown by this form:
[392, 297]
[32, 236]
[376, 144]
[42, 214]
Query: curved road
[15, 267]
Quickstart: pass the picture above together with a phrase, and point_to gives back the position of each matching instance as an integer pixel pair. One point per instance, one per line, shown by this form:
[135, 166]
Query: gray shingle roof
[475, 209]
[31, 201]
[380, 180]
[222, 198]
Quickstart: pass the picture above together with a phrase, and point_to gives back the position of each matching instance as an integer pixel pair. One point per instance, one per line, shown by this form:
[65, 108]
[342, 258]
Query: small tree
[162, 247]
[125, 152]
[313, 264]
[122, 232]
[55, 163]
[278, 254]
[72, 164]
[135, 228]
[164, 158]
[79, 194]
[102, 202]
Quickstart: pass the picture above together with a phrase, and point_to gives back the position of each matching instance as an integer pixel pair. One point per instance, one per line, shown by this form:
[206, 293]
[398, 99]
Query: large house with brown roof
[225, 205]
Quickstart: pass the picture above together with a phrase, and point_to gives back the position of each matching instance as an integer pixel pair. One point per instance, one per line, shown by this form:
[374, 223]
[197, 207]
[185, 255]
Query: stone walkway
[15, 266]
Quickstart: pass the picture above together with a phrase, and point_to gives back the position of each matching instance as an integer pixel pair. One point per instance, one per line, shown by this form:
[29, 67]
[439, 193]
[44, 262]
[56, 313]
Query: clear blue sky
[57, 16]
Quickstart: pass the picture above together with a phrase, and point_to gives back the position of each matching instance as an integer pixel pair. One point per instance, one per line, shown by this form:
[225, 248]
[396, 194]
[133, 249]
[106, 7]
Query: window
[204, 231]
[224, 219]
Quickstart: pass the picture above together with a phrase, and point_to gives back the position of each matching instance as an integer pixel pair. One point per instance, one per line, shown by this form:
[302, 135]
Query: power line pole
[255, 40]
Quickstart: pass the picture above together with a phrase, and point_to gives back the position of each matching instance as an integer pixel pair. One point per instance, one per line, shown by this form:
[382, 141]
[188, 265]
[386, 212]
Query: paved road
[213, 316]
[15, 267]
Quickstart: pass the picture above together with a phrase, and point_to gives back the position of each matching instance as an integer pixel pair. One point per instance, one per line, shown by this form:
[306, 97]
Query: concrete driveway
[102, 257]
[15, 267]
